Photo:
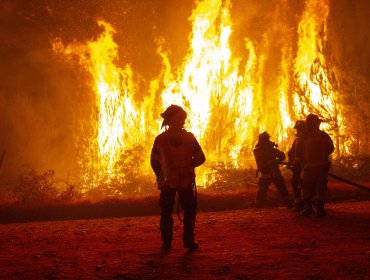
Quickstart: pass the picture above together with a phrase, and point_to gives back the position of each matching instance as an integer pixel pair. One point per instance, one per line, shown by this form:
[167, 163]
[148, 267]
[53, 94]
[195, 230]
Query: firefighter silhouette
[312, 153]
[268, 158]
[175, 154]
[296, 168]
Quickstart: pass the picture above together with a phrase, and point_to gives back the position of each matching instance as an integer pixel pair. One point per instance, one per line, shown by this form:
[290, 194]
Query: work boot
[188, 237]
[166, 246]
[166, 234]
[320, 209]
[298, 206]
[259, 204]
[307, 210]
[288, 203]
[192, 246]
[188, 231]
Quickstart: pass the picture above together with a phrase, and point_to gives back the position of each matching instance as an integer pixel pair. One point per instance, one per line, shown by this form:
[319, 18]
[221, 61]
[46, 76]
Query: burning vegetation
[234, 83]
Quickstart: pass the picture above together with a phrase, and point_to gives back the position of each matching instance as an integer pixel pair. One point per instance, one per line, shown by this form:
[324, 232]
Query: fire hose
[341, 179]
[349, 182]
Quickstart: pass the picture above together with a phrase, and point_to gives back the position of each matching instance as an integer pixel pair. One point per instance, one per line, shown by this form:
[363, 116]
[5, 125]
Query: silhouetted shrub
[34, 187]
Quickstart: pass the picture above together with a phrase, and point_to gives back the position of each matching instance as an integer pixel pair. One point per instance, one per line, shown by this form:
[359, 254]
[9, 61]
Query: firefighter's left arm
[154, 159]
[280, 156]
[291, 152]
[330, 145]
[198, 157]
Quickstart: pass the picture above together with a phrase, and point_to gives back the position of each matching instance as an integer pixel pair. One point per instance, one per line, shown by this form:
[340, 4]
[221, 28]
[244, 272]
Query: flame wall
[239, 67]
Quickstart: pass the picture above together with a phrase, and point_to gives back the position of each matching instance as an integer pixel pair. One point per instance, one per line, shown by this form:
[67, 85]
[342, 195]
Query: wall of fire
[44, 100]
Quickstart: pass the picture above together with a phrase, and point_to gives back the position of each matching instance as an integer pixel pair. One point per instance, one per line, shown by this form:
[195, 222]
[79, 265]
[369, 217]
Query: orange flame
[315, 92]
[226, 101]
[219, 98]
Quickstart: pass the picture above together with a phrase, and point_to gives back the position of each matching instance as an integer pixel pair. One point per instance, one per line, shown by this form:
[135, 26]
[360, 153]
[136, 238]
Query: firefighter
[295, 167]
[175, 154]
[268, 158]
[312, 153]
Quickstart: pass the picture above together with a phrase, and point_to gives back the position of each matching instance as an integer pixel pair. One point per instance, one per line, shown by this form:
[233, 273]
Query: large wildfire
[227, 99]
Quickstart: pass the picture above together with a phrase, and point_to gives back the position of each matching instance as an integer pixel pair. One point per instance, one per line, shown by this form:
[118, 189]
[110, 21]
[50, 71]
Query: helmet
[313, 119]
[299, 125]
[170, 112]
[264, 136]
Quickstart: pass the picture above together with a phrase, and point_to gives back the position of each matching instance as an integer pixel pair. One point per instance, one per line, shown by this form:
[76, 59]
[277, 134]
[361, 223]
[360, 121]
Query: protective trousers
[314, 182]
[188, 203]
[279, 183]
[296, 182]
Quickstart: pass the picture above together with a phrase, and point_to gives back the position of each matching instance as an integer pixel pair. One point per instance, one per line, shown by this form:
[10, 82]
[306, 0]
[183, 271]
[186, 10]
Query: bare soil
[270, 243]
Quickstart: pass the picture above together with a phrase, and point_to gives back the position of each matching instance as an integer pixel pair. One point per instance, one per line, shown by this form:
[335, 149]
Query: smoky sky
[44, 100]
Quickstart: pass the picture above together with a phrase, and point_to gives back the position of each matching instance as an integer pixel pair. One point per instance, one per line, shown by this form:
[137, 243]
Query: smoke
[40, 99]
[45, 103]
[348, 52]
[348, 41]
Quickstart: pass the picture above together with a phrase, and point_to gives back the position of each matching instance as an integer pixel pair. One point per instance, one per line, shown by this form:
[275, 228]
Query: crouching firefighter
[268, 158]
[175, 154]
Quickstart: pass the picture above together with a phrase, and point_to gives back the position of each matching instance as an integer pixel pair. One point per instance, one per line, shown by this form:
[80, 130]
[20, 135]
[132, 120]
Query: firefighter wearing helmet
[295, 167]
[312, 153]
[268, 158]
[175, 154]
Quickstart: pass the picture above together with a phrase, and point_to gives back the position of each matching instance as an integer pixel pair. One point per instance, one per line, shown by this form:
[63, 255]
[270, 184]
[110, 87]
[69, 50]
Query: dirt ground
[271, 243]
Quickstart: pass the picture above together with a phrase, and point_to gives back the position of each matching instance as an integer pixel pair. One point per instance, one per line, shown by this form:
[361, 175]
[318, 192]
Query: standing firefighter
[312, 153]
[174, 156]
[296, 168]
[268, 158]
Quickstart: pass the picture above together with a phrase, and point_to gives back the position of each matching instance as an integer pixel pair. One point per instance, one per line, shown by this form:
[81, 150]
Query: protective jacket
[292, 150]
[267, 159]
[313, 150]
[174, 156]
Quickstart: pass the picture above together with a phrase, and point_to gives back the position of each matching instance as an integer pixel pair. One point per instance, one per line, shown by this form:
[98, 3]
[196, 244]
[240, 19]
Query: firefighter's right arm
[329, 144]
[198, 158]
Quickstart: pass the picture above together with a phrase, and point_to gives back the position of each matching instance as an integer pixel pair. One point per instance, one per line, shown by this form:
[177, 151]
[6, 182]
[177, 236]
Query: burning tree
[225, 95]
[316, 89]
